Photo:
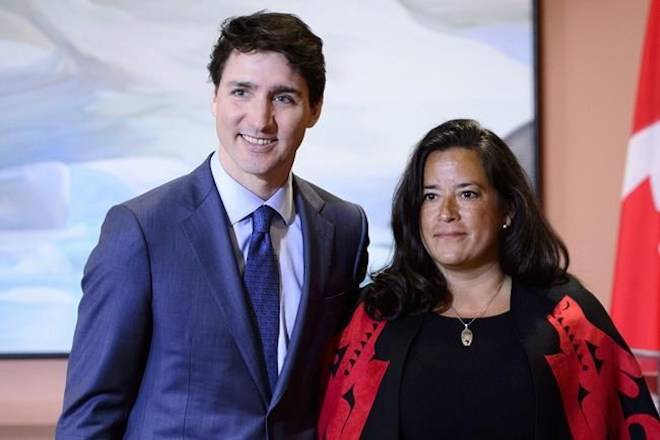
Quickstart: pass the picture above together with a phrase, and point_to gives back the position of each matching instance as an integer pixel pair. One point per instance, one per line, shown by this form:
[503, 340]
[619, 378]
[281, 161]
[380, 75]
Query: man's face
[262, 110]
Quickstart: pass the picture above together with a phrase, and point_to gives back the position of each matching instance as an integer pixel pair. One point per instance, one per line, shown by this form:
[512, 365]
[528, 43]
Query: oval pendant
[466, 337]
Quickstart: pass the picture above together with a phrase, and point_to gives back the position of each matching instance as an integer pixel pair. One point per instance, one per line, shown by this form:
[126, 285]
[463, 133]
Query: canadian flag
[636, 290]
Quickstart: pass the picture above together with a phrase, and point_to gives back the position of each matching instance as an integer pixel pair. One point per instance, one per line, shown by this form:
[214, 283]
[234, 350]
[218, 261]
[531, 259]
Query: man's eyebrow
[274, 90]
[242, 84]
[285, 89]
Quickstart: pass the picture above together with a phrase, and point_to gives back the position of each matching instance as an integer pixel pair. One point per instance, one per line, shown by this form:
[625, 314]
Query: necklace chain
[467, 335]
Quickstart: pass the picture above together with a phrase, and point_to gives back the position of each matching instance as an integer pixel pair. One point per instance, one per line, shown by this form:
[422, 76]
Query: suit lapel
[208, 231]
[318, 245]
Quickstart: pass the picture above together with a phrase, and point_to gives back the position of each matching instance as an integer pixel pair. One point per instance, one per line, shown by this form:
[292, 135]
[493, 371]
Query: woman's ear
[508, 219]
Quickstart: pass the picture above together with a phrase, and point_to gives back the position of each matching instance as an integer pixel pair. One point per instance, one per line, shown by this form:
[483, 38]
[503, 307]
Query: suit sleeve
[362, 255]
[360, 262]
[112, 333]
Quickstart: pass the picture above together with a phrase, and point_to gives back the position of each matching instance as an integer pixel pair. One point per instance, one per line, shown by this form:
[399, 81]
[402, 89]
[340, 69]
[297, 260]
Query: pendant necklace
[467, 335]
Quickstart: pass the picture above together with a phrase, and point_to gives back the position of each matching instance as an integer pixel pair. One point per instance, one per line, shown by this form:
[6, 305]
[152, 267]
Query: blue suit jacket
[164, 346]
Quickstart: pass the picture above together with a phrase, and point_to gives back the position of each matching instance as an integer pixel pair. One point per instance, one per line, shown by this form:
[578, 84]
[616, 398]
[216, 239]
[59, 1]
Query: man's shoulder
[330, 203]
[182, 193]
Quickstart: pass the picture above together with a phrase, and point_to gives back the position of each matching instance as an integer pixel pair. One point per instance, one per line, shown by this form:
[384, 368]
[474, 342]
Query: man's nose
[261, 115]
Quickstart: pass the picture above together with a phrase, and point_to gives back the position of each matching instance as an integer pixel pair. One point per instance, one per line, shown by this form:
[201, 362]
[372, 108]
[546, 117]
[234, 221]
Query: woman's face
[460, 217]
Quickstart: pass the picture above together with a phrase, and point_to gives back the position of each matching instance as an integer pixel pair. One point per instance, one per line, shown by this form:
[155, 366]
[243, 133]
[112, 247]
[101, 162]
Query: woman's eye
[469, 195]
[430, 196]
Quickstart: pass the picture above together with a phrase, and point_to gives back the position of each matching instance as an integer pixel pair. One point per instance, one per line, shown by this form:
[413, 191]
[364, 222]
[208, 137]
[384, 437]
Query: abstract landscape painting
[102, 100]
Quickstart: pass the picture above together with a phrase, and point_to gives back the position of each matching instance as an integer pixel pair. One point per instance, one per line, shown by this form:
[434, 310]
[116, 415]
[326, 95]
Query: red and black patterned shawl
[587, 384]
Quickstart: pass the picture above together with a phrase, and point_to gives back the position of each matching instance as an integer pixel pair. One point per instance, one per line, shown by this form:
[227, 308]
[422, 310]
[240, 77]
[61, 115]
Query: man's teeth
[258, 141]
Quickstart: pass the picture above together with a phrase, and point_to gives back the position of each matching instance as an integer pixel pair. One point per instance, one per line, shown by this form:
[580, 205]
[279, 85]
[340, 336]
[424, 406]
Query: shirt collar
[240, 202]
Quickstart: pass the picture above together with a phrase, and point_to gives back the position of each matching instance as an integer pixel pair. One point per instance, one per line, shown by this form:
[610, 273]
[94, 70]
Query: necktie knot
[261, 218]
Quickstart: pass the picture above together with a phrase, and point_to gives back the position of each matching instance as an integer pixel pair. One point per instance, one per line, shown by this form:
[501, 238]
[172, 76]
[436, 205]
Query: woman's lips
[450, 235]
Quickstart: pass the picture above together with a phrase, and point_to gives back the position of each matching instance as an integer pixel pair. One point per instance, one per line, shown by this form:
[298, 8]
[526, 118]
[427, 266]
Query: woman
[475, 330]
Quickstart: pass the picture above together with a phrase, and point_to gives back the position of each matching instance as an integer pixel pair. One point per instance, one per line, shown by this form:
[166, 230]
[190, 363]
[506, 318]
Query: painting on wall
[105, 99]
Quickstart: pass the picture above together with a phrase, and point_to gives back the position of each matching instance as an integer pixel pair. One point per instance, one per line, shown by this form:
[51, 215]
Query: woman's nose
[448, 211]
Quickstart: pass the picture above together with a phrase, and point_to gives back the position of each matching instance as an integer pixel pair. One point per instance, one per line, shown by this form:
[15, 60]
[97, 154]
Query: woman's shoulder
[571, 286]
[575, 302]
[574, 289]
[567, 287]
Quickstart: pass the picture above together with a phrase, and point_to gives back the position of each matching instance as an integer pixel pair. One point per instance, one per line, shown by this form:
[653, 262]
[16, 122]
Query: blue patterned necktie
[262, 281]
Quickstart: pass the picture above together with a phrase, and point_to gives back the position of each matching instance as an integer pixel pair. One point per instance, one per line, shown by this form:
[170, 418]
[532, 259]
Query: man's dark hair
[529, 250]
[275, 32]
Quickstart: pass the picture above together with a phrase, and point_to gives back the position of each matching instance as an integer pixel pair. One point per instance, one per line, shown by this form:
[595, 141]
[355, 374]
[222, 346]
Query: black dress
[483, 391]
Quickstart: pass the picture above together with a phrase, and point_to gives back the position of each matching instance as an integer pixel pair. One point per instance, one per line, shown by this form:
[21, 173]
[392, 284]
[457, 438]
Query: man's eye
[238, 92]
[284, 99]
[430, 196]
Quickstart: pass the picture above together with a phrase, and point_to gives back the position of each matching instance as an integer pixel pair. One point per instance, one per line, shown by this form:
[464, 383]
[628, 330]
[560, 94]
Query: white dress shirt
[285, 234]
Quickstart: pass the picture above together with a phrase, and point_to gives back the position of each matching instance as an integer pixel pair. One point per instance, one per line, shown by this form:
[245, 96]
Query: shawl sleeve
[602, 389]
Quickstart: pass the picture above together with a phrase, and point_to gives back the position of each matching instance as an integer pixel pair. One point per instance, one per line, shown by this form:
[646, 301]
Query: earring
[505, 226]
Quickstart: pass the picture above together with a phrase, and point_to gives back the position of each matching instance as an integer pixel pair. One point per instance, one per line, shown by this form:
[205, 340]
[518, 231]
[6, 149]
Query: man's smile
[258, 141]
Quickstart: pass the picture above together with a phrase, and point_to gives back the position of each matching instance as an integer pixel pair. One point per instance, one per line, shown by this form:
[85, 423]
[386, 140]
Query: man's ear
[316, 113]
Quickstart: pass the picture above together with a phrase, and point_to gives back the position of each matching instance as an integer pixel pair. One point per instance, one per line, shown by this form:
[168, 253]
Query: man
[209, 302]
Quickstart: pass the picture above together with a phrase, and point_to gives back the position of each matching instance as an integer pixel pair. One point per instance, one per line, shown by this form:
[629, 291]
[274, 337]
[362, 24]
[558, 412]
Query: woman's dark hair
[275, 32]
[529, 250]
